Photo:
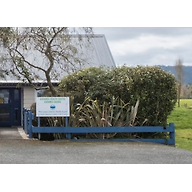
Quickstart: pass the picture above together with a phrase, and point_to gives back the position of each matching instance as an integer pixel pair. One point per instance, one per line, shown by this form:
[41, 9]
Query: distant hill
[187, 72]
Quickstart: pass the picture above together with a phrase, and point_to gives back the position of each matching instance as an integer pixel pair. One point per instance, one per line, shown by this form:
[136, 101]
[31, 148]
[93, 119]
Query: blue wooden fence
[30, 129]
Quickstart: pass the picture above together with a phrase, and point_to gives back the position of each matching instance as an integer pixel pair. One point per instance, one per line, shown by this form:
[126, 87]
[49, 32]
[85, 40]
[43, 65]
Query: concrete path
[12, 133]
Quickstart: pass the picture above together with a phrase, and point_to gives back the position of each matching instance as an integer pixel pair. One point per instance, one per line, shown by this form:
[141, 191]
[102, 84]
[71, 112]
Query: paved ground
[17, 149]
[12, 133]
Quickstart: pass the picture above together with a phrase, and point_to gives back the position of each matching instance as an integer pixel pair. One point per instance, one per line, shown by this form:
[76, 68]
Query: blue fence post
[66, 121]
[24, 122]
[30, 124]
[39, 121]
[27, 120]
[24, 119]
[172, 133]
[68, 135]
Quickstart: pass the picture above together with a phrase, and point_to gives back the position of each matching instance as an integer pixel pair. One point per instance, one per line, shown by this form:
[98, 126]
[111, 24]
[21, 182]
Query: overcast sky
[148, 45]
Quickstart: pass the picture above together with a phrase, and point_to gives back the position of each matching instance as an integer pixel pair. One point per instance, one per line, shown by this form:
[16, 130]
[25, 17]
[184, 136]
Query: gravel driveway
[21, 151]
[16, 148]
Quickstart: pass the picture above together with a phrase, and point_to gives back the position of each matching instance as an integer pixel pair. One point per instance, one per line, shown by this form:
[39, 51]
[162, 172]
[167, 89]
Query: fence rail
[30, 129]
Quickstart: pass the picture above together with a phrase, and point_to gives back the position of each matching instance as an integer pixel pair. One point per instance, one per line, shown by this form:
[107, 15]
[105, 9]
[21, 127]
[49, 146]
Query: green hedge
[90, 82]
[155, 89]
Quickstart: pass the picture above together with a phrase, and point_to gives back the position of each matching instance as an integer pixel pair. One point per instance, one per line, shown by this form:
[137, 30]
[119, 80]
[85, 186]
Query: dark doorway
[10, 107]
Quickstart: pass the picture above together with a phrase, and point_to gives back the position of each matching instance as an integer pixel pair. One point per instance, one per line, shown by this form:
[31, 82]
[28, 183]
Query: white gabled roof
[102, 55]
[96, 54]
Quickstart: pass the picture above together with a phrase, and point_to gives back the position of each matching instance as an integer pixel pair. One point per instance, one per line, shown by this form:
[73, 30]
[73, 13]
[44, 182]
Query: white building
[14, 98]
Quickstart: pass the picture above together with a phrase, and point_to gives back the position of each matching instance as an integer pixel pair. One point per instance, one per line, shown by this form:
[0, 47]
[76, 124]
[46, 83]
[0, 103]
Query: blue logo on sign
[52, 106]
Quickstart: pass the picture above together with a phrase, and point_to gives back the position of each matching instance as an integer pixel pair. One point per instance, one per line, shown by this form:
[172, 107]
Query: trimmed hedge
[154, 88]
[90, 82]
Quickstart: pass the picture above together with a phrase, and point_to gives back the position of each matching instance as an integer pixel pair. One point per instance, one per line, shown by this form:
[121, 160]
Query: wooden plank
[160, 141]
[101, 129]
[82, 130]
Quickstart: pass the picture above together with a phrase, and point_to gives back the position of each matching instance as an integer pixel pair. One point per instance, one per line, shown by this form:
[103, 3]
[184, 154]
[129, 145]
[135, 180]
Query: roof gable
[96, 54]
[101, 53]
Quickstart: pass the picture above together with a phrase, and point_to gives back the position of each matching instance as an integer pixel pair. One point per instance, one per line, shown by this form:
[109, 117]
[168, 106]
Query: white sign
[52, 107]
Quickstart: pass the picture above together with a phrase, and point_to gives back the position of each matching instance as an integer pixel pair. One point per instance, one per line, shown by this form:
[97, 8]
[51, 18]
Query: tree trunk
[51, 87]
[179, 94]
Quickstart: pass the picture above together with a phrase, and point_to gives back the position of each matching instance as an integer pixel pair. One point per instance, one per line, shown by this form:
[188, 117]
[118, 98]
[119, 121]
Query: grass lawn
[182, 118]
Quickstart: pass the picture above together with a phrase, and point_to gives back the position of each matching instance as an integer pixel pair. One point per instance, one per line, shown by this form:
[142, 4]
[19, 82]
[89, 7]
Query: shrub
[92, 114]
[90, 82]
[115, 113]
[153, 87]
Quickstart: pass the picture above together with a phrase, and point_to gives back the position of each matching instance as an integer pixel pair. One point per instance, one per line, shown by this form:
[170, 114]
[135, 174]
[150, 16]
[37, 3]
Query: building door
[10, 107]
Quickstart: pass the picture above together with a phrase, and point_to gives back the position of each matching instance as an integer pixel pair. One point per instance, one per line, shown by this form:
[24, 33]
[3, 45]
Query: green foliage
[90, 82]
[115, 113]
[93, 114]
[156, 90]
[5, 34]
[59, 50]
[181, 117]
[153, 87]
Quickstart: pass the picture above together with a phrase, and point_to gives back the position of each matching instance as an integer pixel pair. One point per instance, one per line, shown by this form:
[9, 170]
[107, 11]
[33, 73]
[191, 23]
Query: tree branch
[31, 65]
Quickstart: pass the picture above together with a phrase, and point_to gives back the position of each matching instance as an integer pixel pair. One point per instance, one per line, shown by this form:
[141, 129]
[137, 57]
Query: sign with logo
[52, 107]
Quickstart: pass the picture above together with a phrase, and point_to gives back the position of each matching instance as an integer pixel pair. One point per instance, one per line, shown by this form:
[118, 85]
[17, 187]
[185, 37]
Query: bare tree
[5, 33]
[42, 53]
[180, 77]
[186, 91]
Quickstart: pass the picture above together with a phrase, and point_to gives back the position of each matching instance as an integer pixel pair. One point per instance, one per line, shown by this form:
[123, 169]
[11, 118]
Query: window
[4, 96]
[16, 95]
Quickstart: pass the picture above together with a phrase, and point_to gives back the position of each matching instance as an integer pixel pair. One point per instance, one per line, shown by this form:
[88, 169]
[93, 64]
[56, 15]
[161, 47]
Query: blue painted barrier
[70, 130]
[27, 120]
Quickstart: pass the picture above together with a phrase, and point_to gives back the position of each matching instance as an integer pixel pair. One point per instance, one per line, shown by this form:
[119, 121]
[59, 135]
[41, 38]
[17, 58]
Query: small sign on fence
[52, 107]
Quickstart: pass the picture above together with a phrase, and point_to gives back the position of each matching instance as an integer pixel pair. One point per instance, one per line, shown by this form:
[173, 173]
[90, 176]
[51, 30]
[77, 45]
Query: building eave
[10, 83]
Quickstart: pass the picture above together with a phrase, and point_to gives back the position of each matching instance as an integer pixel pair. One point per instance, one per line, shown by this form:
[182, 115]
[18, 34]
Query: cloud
[149, 45]
[146, 43]
[120, 33]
